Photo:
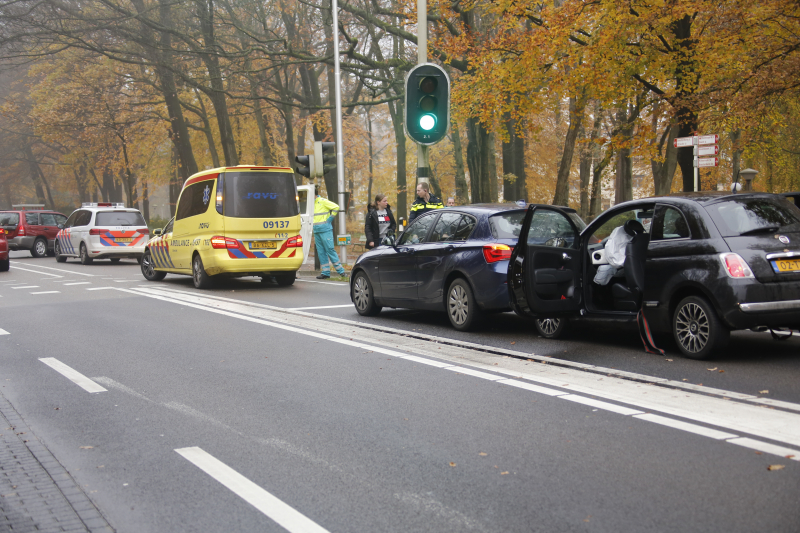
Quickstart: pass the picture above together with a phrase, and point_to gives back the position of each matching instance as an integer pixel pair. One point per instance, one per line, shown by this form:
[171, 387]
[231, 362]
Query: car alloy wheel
[550, 328]
[458, 304]
[40, 248]
[57, 249]
[363, 297]
[199, 276]
[148, 269]
[692, 328]
[84, 255]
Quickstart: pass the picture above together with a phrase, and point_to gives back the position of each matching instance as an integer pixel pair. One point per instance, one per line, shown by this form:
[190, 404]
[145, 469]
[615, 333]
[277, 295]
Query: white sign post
[696, 141]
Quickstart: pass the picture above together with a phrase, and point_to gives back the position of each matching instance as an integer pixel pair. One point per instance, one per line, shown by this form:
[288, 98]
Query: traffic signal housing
[427, 104]
[313, 166]
[305, 165]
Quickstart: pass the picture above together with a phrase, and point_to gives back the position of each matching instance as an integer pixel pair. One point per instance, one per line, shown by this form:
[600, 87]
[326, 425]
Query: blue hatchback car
[453, 260]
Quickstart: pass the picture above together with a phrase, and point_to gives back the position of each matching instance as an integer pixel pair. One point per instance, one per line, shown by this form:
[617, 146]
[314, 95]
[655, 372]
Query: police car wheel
[199, 276]
[362, 295]
[550, 328]
[285, 280]
[115, 259]
[462, 309]
[59, 258]
[84, 254]
[148, 269]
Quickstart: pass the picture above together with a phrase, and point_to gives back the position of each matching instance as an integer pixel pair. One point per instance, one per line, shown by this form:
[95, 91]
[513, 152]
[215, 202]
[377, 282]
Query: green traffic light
[427, 122]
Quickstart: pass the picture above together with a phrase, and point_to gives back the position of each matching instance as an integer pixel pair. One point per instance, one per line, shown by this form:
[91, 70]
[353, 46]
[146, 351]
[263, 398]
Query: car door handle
[449, 248]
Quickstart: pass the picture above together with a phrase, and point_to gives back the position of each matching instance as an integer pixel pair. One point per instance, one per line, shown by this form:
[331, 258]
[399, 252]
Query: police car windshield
[259, 195]
[119, 218]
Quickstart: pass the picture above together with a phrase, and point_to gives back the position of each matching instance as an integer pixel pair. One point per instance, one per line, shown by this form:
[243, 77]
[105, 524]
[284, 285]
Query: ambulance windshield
[259, 195]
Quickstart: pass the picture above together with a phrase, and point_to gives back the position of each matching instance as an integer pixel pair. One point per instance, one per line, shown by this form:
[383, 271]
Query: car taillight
[496, 252]
[96, 231]
[735, 266]
[21, 230]
[295, 242]
[220, 243]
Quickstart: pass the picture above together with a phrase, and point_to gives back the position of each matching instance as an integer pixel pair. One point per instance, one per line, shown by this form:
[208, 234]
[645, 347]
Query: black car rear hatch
[765, 231]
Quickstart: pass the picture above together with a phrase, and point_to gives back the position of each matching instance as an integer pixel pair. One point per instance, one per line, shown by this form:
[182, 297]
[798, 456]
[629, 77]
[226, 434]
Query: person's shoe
[323, 276]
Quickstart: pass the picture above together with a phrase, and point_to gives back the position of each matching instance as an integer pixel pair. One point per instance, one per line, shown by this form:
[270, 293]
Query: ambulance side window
[195, 199]
[168, 227]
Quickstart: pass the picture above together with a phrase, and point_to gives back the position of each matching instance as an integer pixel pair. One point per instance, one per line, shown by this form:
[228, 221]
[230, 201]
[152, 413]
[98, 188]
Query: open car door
[544, 273]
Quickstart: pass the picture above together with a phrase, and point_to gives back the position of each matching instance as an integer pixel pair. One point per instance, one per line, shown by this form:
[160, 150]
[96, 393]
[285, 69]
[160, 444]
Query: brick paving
[36, 492]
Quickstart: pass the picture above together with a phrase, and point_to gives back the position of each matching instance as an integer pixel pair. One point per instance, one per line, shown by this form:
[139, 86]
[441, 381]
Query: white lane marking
[78, 283]
[26, 287]
[280, 512]
[776, 403]
[73, 375]
[774, 425]
[787, 453]
[601, 405]
[320, 307]
[47, 292]
[685, 426]
[123, 280]
[340, 284]
[57, 270]
[473, 373]
[100, 288]
[532, 388]
[17, 267]
[4, 332]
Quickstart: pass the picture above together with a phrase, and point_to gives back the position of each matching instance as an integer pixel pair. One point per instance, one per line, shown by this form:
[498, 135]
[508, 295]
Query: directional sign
[708, 150]
[706, 162]
[708, 139]
[683, 142]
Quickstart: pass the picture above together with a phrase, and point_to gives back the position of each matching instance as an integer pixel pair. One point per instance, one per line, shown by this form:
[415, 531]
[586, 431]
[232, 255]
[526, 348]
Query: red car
[29, 227]
[4, 261]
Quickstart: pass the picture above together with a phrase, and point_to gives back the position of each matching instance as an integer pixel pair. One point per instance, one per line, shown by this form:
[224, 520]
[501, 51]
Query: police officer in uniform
[324, 211]
[424, 202]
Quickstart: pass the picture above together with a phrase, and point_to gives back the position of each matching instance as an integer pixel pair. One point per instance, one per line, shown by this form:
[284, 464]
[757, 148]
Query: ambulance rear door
[305, 203]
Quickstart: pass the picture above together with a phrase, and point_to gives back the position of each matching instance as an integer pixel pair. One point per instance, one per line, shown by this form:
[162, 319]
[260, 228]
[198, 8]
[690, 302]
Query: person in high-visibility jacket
[425, 202]
[324, 211]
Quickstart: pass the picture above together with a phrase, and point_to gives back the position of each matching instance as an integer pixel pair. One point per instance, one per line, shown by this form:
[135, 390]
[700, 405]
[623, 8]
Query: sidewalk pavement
[36, 492]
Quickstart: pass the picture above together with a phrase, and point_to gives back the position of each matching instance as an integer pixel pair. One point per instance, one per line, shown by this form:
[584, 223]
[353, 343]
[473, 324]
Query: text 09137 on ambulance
[231, 222]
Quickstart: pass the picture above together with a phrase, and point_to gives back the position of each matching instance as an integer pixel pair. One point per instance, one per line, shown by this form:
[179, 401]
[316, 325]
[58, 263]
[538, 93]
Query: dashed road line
[73, 375]
[4, 332]
[281, 513]
[100, 288]
[78, 283]
[319, 307]
[17, 267]
[26, 287]
[56, 269]
[47, 292]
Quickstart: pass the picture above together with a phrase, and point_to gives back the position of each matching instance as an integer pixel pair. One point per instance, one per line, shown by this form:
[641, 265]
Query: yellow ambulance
[231, 222]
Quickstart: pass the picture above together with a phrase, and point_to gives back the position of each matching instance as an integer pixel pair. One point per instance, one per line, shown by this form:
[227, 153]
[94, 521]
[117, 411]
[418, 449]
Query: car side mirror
[60, 226]
[388, 240]
[156, 232]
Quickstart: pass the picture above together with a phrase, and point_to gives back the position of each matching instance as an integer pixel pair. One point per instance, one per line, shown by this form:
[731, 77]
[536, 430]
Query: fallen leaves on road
[670, 360]
[721, 371]
[775, 467]
[512, 342]
[484, 454]
[763, 392]
[86, 447]
[503, 473]
[711, 369]
[452, 464]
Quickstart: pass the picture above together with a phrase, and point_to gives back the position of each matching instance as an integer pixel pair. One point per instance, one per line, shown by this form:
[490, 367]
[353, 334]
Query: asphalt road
[324, 419]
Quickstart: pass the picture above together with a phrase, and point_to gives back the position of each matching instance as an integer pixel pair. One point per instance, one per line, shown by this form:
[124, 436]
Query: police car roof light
[103, 204]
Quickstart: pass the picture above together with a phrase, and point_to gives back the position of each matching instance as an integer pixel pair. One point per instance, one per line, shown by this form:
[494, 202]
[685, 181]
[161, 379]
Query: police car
[231, 222]
[102, 231]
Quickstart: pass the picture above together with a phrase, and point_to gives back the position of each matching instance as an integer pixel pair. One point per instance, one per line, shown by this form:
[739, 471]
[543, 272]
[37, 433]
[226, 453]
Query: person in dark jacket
[379, 223]
[425, 202]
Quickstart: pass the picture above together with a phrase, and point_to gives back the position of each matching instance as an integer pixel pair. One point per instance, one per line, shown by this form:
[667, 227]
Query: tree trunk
[596, 203]
[39, 180]
[478, 153]
[462, 189]
[736, 159]
[576, 109]
[624, 179]
[664, 171]
[514, 187]
[686, 78]
[493, 184]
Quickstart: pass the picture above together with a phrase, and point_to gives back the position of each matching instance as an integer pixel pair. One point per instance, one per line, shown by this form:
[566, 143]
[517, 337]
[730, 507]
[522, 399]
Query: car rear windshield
[753, 215]
[119, 218]
[9, 219]
[259, 195]
[509, 224]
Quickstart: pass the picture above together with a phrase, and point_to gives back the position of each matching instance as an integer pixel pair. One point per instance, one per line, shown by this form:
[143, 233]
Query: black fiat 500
[452, 259]
[699, 264]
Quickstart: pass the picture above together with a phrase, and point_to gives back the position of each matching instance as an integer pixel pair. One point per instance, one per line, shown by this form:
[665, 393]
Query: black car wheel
[148, 269]
[199, 276]
[697, 329]
[550, 328]
[286, 279]
[462, 310]
[115, 260]
[84, 253]
[59, 258]
[5, 265]
[39, 248]
[363, 296]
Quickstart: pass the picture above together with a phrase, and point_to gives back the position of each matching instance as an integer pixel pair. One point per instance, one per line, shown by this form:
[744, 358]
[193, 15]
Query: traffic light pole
[423, 164]
[340, 137]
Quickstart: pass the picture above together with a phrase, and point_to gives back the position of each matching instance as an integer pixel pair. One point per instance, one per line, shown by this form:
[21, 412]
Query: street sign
[706, 162]
[683, 142]
[343, 240]
[708, 139]
[708, 150]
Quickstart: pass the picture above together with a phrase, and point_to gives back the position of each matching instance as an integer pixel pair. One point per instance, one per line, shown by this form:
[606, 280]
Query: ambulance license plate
[786, 265]
[260, 245]
[123, 239]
